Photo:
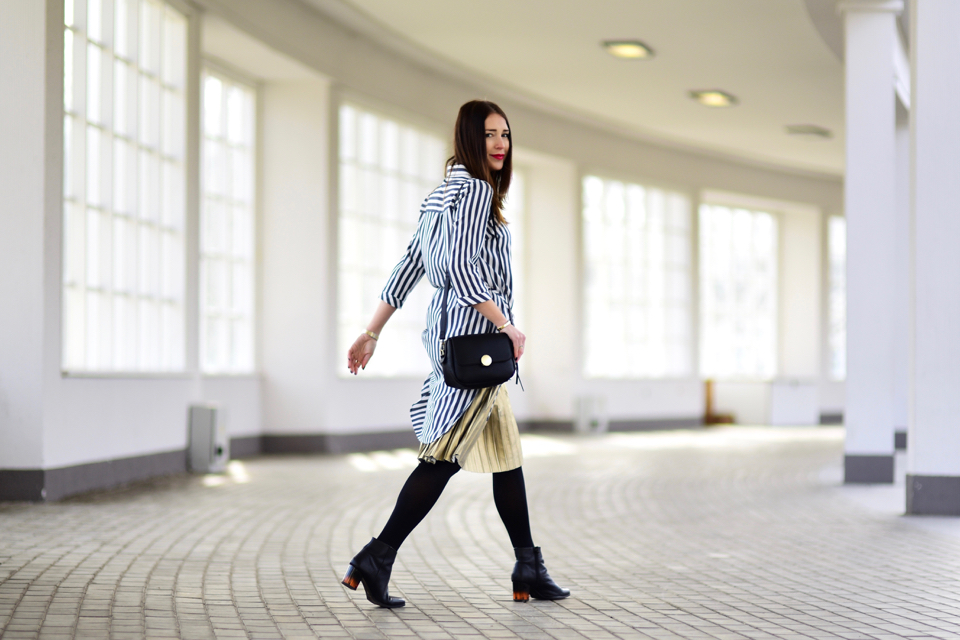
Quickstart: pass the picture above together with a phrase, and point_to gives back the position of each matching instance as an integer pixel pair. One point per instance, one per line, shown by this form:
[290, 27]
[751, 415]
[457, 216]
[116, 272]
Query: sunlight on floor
[722, 437]
[383, 460]
[236, 473]
[539, 446]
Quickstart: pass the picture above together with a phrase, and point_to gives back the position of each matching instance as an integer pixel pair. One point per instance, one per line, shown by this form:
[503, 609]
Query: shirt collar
[458, 171]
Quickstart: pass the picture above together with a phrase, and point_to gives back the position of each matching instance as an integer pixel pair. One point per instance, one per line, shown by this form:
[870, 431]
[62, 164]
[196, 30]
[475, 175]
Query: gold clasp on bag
[486, 361]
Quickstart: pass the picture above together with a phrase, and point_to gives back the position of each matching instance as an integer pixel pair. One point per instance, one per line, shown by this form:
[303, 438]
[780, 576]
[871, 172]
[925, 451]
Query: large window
[738, 293]
[638, 280]
[123, 208]
[387, 168]
[837, 241]
[227, 226]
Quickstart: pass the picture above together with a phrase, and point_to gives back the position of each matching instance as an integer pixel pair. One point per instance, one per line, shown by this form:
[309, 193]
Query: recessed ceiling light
[809, 130]
[714, 98]
[631, 49]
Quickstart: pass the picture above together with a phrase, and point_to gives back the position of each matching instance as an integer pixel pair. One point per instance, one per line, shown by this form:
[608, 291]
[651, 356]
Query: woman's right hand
[359, 354]
[517, 338]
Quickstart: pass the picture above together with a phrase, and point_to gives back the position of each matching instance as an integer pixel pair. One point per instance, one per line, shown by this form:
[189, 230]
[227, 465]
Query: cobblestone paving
[727, 533]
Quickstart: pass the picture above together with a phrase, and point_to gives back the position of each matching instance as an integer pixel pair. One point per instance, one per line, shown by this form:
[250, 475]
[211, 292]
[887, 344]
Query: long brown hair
[470, 150]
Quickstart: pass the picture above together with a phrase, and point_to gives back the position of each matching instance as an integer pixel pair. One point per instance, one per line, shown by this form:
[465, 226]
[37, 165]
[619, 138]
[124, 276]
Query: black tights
[424, 486]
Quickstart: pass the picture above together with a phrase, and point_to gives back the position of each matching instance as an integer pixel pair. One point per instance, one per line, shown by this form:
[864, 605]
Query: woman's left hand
[517, 338]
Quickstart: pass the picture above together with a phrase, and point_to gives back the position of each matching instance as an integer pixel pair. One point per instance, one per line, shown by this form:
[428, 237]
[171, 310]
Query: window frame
[776, 216]
[168, 364]
[691, 280]
[226, 71]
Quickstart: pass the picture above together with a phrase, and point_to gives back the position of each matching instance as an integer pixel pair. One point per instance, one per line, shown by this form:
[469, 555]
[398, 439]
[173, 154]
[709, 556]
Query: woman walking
[461, 231]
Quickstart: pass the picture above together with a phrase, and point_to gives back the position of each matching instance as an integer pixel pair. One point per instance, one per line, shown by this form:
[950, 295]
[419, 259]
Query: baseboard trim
[933, 495]
[831, 418]
[900, 440]
[656, 424]
[49, 485]
[872, 469]
[17, 485]
[556, 426]
[663, 424]
[245, 447]
[338, 442]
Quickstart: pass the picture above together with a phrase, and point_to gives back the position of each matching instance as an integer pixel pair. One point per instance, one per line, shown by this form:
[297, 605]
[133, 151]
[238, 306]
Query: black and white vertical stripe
[455, 228]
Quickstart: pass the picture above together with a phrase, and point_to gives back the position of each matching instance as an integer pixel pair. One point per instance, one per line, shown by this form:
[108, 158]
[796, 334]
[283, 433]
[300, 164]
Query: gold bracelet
[372, 334]
[504, 326]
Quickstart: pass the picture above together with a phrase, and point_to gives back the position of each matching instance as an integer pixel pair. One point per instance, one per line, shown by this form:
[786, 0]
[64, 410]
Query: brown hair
[470, 150]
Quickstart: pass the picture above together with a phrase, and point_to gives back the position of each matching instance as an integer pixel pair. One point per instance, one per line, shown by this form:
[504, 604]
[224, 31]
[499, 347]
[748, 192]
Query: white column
[870, 208]
[933, 454]
[902, 286]
[23, 76]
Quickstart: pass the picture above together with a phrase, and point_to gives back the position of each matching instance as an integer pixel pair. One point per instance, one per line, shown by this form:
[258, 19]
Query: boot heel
[351, 579]
[521, 592]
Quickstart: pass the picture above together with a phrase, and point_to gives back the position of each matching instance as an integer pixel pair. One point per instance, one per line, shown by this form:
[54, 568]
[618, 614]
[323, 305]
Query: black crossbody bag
[474, 361]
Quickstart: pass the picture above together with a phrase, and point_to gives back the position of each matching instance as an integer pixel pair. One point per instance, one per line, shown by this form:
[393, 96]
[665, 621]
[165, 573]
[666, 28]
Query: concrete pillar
[870, 208]
[933, 454]
[23, 182]
[902, 287]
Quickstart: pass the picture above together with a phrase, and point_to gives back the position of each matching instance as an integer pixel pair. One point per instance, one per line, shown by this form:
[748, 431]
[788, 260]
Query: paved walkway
[726, 533]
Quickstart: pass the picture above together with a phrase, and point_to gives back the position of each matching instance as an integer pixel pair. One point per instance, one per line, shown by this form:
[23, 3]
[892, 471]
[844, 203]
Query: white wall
[800, 294]
[549, 367]
[22, 180]
[901, 284]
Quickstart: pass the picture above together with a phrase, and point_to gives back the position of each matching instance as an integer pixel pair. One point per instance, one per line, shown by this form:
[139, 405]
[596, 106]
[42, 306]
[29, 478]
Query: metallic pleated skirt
[484, 440]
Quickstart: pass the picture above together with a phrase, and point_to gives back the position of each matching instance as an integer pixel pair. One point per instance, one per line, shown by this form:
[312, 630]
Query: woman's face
[498, 140]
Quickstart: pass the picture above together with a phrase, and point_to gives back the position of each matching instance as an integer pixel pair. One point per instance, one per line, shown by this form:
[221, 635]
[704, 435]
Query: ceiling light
[714, 98]
[633, 49]
[809, 130]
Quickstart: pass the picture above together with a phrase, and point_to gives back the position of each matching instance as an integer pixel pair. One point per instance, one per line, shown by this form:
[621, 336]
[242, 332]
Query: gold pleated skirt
[484, 440]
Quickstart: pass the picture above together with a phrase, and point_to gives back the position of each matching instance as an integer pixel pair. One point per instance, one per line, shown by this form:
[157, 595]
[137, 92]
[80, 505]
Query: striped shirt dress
[456, 229]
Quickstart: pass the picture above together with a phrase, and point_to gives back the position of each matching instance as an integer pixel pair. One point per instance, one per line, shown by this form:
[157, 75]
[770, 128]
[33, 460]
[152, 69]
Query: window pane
[123, 12]
[174, 48]
[94, 165]
[149, 124]
[94, 83]
[212, 107]
[68, 70]
[150, 37]
[837, 238]
[95, 20]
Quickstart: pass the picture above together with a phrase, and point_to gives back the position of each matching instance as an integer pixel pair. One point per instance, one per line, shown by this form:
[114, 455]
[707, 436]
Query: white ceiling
[766, 52]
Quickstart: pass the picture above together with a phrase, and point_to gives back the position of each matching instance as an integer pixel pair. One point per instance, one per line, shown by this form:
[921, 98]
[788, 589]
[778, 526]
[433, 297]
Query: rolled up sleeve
[406, 274]
[467, 242]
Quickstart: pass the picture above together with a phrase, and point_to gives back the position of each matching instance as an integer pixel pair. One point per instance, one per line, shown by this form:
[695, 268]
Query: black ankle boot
[530, 577]
[372, 567]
